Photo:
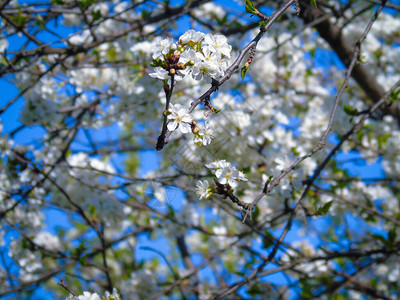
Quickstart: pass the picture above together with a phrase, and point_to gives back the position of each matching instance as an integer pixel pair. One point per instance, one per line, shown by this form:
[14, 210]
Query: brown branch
[164, 137]
[65, 286]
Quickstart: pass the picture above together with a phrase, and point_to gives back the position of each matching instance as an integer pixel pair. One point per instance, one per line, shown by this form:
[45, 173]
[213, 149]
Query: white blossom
[204, 136]
[218, 43]
[226, 173]
[179, 116]
[160, 73]
[163, 47]
[210, 66]
[203, 189]
[191, 36]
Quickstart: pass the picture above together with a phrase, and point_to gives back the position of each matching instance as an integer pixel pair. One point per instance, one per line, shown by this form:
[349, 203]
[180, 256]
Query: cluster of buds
[166, 59]
[201, 55]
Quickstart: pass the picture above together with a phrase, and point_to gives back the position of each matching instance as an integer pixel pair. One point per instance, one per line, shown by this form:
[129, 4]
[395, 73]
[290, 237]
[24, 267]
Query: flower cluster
[226, 173]
[94, 296]
[203, 135]
[179, 117]
[201, 55]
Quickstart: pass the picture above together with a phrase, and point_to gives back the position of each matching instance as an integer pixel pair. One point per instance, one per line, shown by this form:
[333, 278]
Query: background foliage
[310, 116]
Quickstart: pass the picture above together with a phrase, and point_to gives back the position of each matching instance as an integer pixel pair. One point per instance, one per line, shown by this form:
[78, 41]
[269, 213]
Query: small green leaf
[171, 211]
[250, 7]
[322, 211]
[256, 214]
[96, 15]
[3, 61]
[20, 19]
[243, 71]
[394, 95]
[215, 111]
[314, 3]
[380, 238]
[268, 239]
[392, 237]
[146, 14]
[254, 290]
[157, 63]
[263, 24]
[86, 3]
[350, 110]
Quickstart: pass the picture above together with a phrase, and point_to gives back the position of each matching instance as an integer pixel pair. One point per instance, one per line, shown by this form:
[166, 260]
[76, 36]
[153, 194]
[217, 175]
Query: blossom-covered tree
[199, 149]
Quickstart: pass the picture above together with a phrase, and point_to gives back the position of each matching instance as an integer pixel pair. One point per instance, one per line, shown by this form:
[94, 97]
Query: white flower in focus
[163, 47]
[209, 66]
[230, 176]
[226, 173]
[218, 43]
[191, 36]
[179, 116]
[203, 190]
[160, 73]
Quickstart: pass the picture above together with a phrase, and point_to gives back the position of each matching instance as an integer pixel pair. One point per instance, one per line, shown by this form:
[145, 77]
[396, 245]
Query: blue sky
[149, 161]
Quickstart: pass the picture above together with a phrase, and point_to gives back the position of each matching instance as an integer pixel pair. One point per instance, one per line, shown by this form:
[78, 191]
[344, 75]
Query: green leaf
[350, 110]
[268, 239]
[314, 3]
[322, 211]
[20, 19]
[111, 54]
[96, 15]
[243, 71]
[215, 111]
[3, 61]
[86, 3]
[254, 290]
[394, 95]
[146, 14]
[380, 238]
[250, 7]
[256, 214]
[263, 24]
[157, 63]
[392, 237]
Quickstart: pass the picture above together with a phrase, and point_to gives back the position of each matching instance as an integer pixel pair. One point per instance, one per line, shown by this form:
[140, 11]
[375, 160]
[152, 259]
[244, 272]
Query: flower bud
[181, 48]
[195, 129]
